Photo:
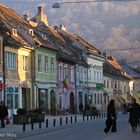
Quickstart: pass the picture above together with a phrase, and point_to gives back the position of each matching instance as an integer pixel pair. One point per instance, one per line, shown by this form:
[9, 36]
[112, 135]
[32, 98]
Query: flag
[65, 83]
[1, 85]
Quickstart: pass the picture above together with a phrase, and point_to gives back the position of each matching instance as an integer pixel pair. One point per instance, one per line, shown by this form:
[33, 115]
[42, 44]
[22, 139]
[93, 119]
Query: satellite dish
[56, 5]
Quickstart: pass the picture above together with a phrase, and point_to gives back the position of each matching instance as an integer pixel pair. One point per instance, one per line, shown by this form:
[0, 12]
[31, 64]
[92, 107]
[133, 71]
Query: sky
[111, 26]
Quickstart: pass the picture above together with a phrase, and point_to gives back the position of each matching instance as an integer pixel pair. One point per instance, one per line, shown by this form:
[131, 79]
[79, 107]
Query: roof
[11, 20]
[64, 50]
[133, 72]
[79, 45]
[112, 67]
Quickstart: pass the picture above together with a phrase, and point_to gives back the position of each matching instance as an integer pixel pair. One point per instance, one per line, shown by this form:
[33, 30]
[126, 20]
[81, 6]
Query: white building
[95, 80]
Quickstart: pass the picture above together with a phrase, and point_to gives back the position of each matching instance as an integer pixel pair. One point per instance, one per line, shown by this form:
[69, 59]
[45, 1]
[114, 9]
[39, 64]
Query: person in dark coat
[133, 110]
[3, 113]
[111, 117]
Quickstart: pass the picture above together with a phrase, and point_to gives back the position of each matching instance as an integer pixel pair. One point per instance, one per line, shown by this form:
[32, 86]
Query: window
[31, 32]
[60, 73]
[39, 62]
[111, 84]
[72, 74]
[10, 60]
[52, 65]
[97, 77]
[89, 77]
[95, 98]
[15, 32]
[115, 85]
[124, 89]
[85, 75]
[16, 101]
[24, 63]
[101, 101]
[94, 76]
[107, 84]
[46, 65]
[104, 83]
[65, 71]
[98, 98]
[100, 76]
[81, 75]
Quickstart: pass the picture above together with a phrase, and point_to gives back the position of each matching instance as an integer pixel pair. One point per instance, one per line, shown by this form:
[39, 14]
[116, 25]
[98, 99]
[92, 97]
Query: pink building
[66, 87]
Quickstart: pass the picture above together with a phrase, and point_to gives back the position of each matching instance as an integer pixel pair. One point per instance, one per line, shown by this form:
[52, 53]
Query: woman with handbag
[3, 113]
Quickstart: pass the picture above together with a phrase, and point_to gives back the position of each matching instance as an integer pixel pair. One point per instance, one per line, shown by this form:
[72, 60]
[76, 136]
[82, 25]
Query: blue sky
[106, 25]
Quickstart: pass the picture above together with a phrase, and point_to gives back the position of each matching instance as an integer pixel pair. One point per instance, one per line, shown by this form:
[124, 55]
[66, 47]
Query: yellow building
[18, 77]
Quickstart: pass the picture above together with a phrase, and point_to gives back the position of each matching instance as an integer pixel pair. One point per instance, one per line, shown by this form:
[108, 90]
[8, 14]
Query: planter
[37, 118]
[20, 119]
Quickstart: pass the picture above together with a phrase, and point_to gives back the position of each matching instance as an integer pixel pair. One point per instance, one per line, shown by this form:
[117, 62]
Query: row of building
[54, 70]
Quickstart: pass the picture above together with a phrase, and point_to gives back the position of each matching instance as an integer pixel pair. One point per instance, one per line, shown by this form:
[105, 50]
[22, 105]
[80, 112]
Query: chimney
[40, 10]
[55, 27]
[62, 27]
[104, 54]
[26, 16]
[41, 16]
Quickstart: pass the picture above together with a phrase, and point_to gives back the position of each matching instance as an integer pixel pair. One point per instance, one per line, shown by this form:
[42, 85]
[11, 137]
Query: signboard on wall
[10, 89]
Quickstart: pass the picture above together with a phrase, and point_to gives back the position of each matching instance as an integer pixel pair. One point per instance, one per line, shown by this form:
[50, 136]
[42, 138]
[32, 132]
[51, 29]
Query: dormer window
[14, 32]
[44, 37]
[31, 32]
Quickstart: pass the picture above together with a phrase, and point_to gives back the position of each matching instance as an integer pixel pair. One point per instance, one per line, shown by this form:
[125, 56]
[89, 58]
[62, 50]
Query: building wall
[42, 76]
[45, 82]
[24, 74]
[66, 98]
[95, 81]
[1, 66]
[1, 53]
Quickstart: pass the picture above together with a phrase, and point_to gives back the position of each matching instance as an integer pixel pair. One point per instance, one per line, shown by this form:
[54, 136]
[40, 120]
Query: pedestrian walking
[133, 110]
[3, 113]
[111, 117]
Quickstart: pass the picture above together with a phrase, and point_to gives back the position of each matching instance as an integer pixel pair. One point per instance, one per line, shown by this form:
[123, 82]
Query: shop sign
[10, 89]
[99, 85]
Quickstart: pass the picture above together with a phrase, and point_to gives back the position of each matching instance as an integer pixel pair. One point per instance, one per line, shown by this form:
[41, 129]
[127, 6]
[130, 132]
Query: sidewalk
[16, 131]
[12, 131]
[124, 134]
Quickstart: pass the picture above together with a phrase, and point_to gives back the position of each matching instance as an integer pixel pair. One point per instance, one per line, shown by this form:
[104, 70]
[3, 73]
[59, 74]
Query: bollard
[94, 116]
[24, 126]
[46, 122]
[71, 119]
[54, 122]
[102, 115]
[87, 117]
[75, 119]
[91, 117]
[60, 120]
[32, 125]
[66, 120]
[83, 118]
[97, 116]
[40, 124]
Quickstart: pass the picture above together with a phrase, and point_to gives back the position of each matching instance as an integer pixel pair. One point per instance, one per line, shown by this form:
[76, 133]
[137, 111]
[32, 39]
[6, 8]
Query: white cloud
[121, 9]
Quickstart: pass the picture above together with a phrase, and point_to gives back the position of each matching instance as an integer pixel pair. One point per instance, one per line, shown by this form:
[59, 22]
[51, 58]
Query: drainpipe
[3, 70]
